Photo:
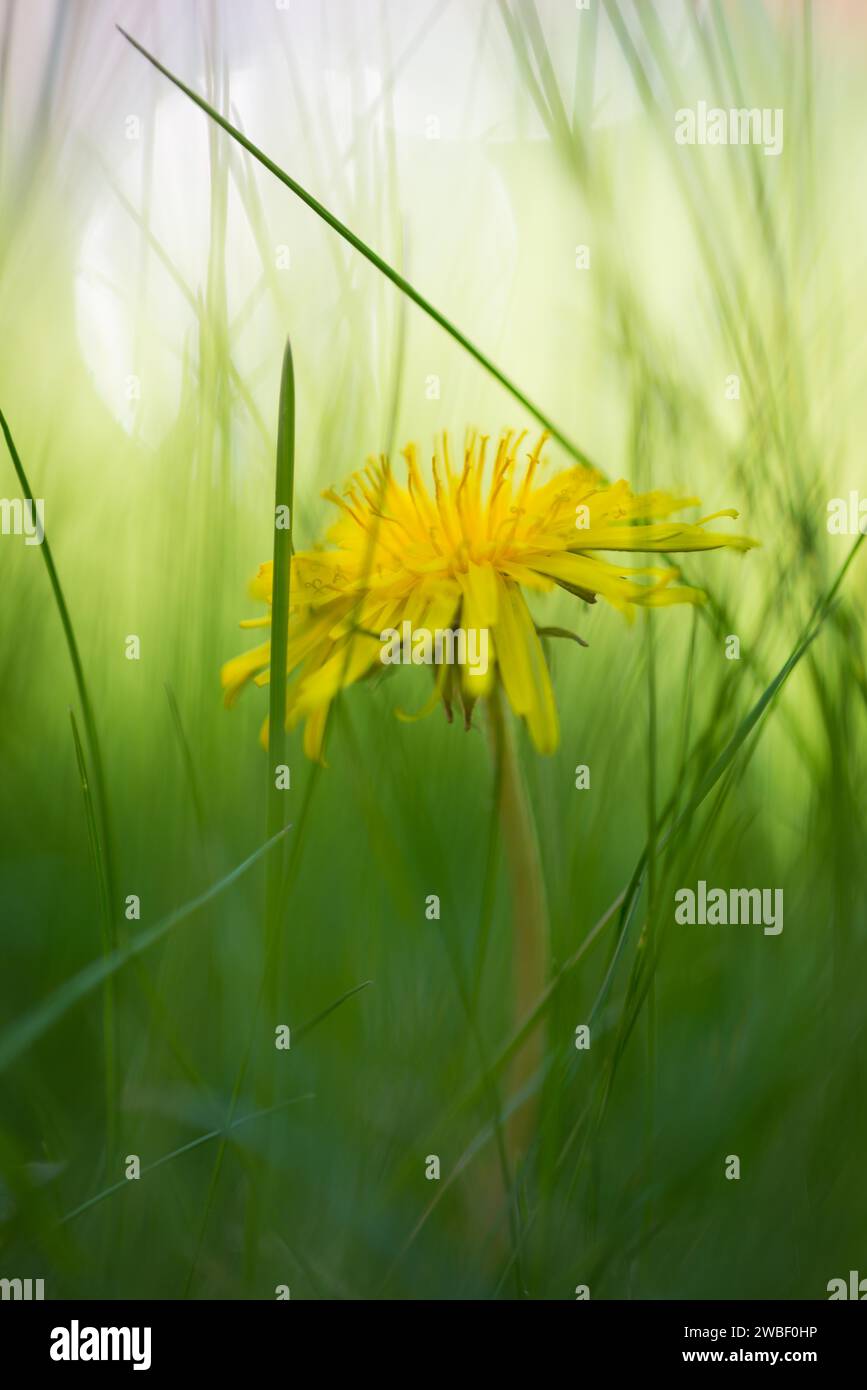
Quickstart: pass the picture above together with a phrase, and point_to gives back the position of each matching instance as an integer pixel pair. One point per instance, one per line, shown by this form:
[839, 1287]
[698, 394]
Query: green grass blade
[369, 254]
[101, 798]
[329, 1009]
[26, 1030]
[184, 1149]
[108, 996]
[187, 760]
[236, 1094]
[281, 597]
[628, 899]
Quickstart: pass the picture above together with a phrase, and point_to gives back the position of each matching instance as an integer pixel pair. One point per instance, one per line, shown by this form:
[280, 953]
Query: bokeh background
[150, 272]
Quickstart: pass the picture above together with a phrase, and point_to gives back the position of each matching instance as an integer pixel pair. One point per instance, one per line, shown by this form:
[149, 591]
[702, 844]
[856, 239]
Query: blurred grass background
[475, 146]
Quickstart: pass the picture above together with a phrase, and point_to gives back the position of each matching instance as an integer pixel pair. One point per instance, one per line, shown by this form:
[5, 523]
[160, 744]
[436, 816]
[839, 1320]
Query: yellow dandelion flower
[459, 555]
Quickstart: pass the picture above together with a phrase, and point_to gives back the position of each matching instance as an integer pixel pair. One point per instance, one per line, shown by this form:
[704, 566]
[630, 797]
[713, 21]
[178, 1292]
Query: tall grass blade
[108, 994]
[101, 797]
[369, 254]
[33, 1025]
[284, 502]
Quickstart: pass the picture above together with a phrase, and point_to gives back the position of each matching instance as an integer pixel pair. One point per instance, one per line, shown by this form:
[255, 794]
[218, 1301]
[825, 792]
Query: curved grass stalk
[369, 254]
[96, 804]
[101, 798]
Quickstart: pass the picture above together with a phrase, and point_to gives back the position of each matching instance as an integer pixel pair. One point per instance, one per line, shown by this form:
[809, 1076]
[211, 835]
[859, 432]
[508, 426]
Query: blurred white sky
[309, 82]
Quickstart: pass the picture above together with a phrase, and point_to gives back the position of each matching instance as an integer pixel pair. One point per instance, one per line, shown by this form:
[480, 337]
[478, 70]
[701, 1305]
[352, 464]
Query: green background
[156, 258]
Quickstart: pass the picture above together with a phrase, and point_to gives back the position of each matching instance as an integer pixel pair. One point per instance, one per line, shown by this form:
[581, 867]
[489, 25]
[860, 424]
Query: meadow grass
[155, 1036]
